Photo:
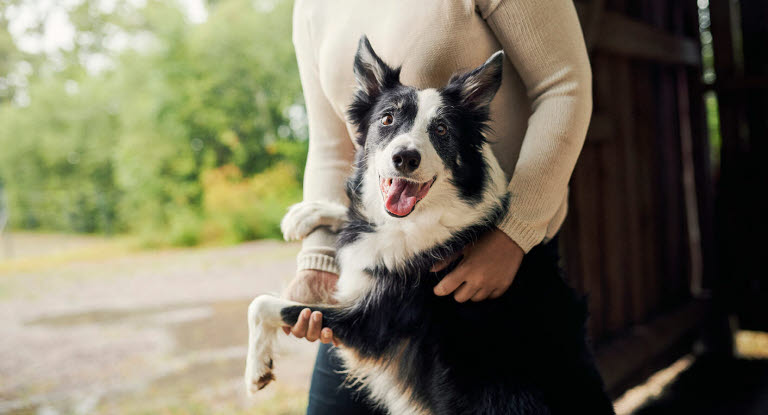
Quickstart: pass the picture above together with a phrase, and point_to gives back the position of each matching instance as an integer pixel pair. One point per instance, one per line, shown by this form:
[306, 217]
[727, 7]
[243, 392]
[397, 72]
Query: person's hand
[311, 286]
[487, 270]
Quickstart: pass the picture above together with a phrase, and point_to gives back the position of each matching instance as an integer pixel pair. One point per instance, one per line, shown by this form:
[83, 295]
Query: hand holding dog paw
[311, 286]
[487, 270]
[310, 326]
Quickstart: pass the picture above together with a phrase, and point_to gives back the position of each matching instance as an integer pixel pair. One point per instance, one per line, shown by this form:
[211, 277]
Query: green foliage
[201, 113]
[241, 208]
[713, 127]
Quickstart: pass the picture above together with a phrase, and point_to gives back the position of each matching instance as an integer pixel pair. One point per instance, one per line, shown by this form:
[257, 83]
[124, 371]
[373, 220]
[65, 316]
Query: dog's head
[422, 147]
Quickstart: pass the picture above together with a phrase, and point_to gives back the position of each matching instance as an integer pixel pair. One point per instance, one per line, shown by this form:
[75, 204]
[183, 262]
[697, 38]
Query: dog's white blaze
[430, 102]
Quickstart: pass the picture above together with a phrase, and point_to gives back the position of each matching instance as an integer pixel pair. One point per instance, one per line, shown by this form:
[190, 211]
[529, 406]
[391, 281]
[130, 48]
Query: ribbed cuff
[318, 262]
[523, 234]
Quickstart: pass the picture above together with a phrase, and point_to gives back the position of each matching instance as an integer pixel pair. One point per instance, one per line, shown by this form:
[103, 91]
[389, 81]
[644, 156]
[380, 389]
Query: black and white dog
[426, 184]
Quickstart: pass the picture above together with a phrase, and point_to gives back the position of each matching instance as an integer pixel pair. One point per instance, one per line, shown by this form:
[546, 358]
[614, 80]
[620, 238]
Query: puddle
[164, 314]
[205, 351]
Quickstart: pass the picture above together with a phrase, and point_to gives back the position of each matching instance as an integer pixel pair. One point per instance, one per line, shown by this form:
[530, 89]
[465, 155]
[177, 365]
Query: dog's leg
[302, 218]
[264, 321]
[266, 315]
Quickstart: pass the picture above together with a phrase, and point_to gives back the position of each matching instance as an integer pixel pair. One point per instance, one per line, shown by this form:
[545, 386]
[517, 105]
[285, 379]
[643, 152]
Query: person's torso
[431, 40]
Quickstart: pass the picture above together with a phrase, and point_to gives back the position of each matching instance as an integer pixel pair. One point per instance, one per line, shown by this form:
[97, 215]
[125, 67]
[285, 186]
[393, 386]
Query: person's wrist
[507, 241]
[312, 286]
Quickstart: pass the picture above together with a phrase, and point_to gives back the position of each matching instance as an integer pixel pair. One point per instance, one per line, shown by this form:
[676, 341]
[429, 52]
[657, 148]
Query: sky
[59, 33]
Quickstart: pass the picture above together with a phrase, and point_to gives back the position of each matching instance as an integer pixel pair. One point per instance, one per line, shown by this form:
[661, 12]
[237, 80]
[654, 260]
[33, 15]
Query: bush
[239, 209]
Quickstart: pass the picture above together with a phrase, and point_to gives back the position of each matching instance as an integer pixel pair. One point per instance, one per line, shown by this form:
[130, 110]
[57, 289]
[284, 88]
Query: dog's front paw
[302, 218]
[258, 375]
[262, 335]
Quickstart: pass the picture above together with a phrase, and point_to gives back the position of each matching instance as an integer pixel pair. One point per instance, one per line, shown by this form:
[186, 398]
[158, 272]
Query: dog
[425, 185]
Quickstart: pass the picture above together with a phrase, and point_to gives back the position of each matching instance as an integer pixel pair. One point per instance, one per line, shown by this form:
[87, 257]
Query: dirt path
[149, 332]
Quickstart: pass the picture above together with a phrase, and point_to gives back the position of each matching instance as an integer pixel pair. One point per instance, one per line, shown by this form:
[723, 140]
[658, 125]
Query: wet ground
[140, 332]
[88, 326]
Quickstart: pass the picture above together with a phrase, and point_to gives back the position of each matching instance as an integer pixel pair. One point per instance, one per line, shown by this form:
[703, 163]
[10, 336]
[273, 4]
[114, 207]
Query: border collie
[425, 184]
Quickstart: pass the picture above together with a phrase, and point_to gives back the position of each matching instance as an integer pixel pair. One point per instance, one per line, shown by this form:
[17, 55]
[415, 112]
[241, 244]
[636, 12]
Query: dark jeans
[327, 396]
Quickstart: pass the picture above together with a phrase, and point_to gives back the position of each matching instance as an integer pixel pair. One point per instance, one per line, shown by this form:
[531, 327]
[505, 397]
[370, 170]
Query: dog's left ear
[371, 73]
[478, 87]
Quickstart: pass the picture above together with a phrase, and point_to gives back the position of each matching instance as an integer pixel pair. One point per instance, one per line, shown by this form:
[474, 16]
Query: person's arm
[544, 42]
[331, 152]
[329, 162]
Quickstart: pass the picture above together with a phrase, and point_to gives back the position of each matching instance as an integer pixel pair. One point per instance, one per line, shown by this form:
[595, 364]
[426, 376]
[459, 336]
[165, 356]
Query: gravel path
[135, 332]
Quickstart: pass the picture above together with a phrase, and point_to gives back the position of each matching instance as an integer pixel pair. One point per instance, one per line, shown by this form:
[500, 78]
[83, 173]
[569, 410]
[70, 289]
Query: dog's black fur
[523, 353]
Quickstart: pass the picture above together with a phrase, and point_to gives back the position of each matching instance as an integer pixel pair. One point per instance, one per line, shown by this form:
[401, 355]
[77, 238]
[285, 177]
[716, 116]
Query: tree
[126, 148]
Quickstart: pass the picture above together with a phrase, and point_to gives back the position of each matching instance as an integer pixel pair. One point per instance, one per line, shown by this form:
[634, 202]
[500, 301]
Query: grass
[100, 249]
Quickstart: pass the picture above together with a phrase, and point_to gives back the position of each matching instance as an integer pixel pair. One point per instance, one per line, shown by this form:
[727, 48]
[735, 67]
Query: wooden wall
[638, 238]
[740, 40]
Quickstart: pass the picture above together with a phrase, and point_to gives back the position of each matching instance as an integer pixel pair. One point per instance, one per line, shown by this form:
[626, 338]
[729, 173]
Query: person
[539, 121]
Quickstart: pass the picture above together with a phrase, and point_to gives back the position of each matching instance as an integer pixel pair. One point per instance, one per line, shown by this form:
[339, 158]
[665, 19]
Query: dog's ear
[371, 73]
[478, 87]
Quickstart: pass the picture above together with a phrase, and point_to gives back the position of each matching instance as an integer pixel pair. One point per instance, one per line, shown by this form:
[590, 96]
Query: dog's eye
[387, 119]
[441, 129]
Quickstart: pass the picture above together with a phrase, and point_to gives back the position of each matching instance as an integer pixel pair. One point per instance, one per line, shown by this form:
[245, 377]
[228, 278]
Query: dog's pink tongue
[402, 197]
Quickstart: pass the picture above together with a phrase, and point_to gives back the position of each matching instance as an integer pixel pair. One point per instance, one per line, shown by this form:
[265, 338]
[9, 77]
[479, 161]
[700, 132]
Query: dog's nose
[406, 161]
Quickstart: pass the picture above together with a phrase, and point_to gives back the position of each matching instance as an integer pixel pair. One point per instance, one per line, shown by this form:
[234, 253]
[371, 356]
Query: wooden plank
[602, 127]
[611, 164]
[624, 111]
[592, 22]
[646, 129]
[646, 348]
[674, 283]
[690, 198]
[746, 172]
[588, 230]
[621, 35]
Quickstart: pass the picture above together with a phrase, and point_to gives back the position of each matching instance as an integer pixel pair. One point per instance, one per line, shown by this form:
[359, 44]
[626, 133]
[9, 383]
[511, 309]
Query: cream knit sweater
[540, 115]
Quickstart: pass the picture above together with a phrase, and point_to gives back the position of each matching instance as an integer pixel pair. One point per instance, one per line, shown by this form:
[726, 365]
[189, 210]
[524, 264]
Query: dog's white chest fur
[381, 381]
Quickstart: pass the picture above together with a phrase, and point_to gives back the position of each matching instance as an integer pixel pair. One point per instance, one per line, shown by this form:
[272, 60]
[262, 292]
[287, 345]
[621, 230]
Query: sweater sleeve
[544, 42]
[331, 151]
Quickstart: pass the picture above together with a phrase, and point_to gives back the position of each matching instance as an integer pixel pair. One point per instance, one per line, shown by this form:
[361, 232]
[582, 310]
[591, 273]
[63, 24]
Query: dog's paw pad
[264, 380]
[255, 382]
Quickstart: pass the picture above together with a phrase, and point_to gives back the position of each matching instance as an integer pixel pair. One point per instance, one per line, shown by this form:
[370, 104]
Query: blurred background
[148, 150]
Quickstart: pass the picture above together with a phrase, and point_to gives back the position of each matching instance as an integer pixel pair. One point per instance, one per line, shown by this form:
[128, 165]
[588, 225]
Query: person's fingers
[450, 282]
[465, 292]
[287, 330]
[496, 293]
[326, 335]
[335, 341]
[445, 262]
[300, 328]
[499, 291]
[315, 325]
[480, 295]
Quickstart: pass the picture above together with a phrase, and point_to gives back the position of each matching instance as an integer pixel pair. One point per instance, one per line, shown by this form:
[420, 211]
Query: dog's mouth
[401, 195]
